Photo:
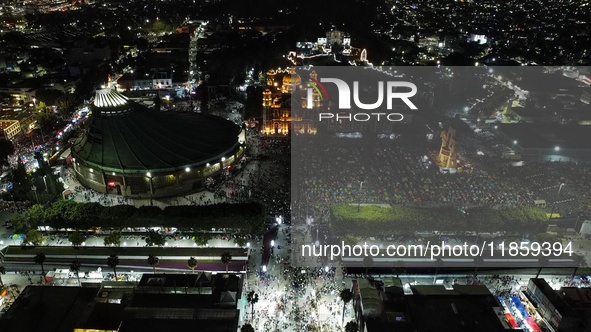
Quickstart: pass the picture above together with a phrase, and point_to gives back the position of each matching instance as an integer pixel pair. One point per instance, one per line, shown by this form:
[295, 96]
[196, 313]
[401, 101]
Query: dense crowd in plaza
[294, 298]
[14, 206]
[403, 173]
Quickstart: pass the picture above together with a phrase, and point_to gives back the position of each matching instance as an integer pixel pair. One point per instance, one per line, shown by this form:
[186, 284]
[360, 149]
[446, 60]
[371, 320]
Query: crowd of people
[292, 298]
[404, 172]
[14, 206]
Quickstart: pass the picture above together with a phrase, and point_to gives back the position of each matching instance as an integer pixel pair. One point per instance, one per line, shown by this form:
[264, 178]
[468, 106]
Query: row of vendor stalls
[520, 313]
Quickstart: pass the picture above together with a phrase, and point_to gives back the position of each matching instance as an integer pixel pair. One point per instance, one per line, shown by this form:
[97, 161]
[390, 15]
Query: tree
[226, 259]
[40, 259]
[155, 238]
[153, 261]
[48, 96]
[36, 215]
[201, 239]
[112, 239]
[6, 149]
[351, 326]
[65, 105]
[346, 296]
[21, 182]
[61, 214]
[247, 328]
[82, 215]
[192, 264]
[20, 224]
[112, 262]
[76, 238]
[75, 267]
[44, 116]
[252, 299]
[33, 237]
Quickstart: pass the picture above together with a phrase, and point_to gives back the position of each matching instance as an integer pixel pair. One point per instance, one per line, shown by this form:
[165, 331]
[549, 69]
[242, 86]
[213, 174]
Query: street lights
[149, 175]
[359, 204]
[317, 241]
[34, 188]
[554, 205]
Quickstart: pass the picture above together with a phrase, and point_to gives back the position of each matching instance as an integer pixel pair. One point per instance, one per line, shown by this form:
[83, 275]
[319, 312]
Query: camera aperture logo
[314, 85]
[389, 90]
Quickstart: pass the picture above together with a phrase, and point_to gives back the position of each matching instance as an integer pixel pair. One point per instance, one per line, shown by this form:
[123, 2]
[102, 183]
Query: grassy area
[373, 220]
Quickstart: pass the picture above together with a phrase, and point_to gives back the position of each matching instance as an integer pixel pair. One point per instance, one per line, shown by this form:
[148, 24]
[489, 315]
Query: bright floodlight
[248, 244]
[223, 159]
[272, 243]
[187, 169]
[515, 142]
[264, 268]
[557, 148]
[149, 174]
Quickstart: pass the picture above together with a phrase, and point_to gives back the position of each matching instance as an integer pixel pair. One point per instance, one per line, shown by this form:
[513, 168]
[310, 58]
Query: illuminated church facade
[278, 117]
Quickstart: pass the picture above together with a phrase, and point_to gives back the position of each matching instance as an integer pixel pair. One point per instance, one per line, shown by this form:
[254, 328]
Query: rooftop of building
[466, 309]
[548, 136]
[126, 307]
[198, 279]
[431, 307]
[576, 297]
[162, 325]
[40, 308]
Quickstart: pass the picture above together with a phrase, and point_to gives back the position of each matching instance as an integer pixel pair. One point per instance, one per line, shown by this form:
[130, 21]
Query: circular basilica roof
[125, 137]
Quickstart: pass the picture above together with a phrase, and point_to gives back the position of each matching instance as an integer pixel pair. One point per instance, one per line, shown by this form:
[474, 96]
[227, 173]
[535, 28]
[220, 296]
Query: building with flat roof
[566, 310]
[160, 302]
[10, 128]
[545, 141]
[381, 306]
[55, 309]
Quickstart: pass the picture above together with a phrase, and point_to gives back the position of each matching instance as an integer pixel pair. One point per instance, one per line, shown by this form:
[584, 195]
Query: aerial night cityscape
[272, 165]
